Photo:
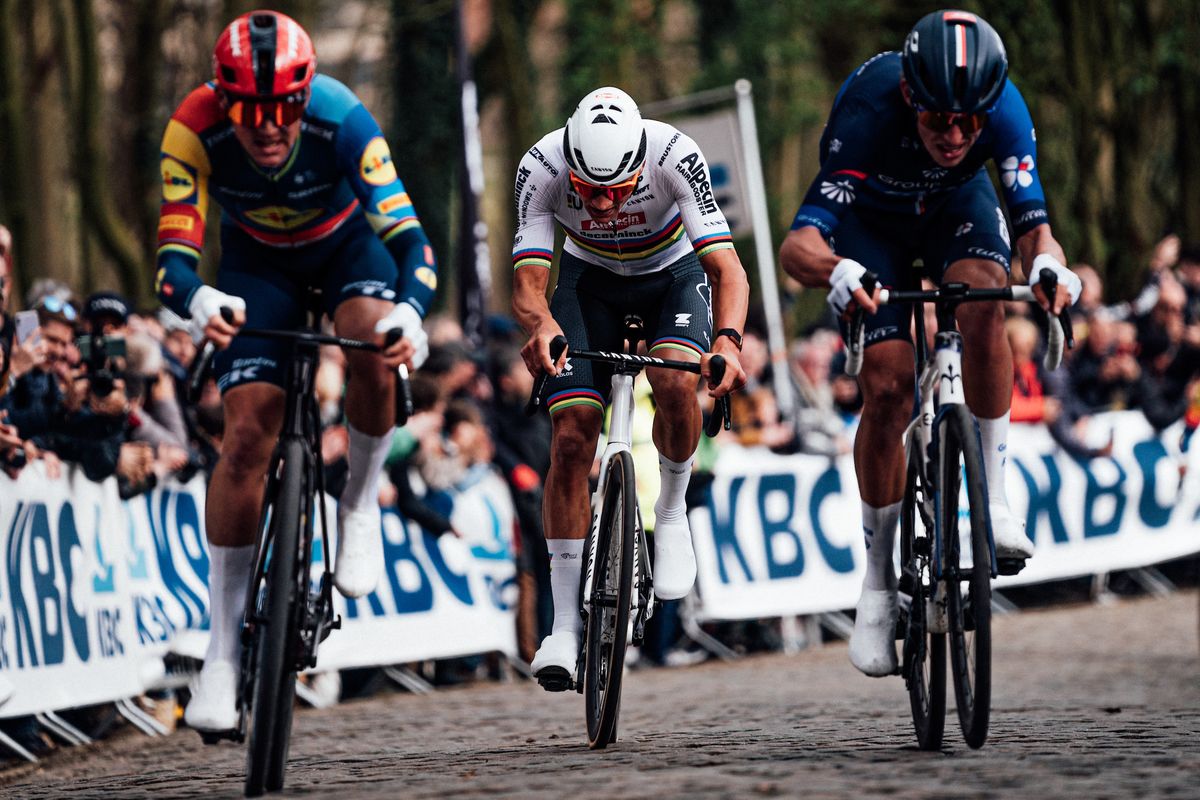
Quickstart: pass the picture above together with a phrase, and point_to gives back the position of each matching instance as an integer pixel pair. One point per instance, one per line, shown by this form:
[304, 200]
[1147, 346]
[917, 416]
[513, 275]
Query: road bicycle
[288, 614]
[616, 595]
[946, 572]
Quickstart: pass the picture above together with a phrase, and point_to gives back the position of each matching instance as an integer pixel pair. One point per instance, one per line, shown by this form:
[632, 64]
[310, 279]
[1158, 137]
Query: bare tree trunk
[132, 264]
[15, 207]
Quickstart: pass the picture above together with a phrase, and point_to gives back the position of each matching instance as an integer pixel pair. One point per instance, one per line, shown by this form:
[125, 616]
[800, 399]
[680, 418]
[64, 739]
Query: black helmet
[954, 61]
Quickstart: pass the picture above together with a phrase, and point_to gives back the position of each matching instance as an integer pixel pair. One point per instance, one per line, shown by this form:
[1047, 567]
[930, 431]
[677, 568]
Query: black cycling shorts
[968, 223]
[590, 304]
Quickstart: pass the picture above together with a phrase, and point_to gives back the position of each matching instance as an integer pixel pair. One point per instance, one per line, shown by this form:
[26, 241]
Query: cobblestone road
[1095, 701]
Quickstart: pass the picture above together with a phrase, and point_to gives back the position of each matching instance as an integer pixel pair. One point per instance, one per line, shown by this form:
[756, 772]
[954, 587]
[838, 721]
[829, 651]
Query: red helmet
[264, 54]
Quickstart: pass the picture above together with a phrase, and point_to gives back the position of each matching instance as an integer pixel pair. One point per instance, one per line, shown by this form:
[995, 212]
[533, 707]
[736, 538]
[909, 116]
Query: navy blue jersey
[872, 157]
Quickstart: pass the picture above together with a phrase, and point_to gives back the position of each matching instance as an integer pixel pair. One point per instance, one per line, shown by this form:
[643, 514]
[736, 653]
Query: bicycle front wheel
[610, 601]
[274, 627]
[924, 650]
[968, 582]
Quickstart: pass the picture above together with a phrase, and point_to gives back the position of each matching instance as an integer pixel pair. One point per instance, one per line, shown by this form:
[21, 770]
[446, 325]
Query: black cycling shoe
[215, 737]
[1009, 566]
[555, 679]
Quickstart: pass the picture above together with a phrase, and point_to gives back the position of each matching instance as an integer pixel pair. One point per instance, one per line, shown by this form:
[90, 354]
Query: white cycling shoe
[674, 560]
[213, 707]
[873, 643]
[359, 550]
[1008, 534]
[554, 663]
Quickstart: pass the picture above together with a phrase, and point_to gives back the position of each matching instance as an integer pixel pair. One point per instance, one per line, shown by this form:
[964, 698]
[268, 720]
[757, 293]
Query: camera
[99, 353]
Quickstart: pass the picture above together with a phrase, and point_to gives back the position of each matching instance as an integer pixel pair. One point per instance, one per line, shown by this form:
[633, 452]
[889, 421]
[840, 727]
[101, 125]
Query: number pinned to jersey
[178, 180]
[376, 165]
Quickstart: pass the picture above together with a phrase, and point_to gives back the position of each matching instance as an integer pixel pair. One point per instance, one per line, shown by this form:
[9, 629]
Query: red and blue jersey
[339, 167]
[872, 157]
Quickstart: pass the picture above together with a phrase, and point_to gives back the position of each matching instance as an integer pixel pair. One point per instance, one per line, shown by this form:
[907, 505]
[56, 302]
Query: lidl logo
[376, 165]
[178, 180]
[281, 218]
[426, 276]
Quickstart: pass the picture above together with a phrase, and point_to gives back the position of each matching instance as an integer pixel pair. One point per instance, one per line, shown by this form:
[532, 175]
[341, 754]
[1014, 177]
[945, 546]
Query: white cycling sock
[993, 434]
[674, 477]
[879, 531]
[228, 582]
[566, 564]
[367, 454]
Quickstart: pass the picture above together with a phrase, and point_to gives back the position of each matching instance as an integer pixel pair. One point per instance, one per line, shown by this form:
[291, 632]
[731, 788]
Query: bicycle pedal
[555, 679]
[1009, 566]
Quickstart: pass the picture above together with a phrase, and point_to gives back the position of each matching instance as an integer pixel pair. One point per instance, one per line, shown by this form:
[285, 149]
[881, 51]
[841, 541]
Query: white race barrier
[781, 535]
[95, 591]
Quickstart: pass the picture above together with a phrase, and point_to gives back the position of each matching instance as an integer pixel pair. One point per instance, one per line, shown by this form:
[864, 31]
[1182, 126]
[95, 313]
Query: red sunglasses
[618, 192]
[942, 121]
[252, 112]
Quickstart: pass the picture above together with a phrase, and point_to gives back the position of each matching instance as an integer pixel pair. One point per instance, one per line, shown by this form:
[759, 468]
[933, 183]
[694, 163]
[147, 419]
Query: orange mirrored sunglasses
[253, 112]
[618, 192]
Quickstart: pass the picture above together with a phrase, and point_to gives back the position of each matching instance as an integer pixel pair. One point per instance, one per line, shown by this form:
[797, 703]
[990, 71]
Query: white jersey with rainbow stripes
[671, 213]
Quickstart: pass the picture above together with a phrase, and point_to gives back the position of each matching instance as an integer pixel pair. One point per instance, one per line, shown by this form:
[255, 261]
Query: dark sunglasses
[618, 193]
[252, 112]
[56, 305]
[942, 121]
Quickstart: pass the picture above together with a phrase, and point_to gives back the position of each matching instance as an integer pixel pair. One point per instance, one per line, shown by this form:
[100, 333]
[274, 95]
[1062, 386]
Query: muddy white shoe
[359, 551]
[873, 643]
[213, 706]
[674, 560]
[1009, 534]
[554, 663]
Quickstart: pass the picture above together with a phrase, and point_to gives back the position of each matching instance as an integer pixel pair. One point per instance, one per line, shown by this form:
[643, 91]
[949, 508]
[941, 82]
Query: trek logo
[683, 320]
[620, 223]
[693, 168]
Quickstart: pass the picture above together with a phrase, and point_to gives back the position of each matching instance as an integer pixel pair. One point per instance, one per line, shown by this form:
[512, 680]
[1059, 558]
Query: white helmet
[604, 140]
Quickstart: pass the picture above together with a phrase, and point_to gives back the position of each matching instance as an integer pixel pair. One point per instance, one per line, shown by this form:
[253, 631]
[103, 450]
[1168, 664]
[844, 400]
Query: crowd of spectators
[96, 382]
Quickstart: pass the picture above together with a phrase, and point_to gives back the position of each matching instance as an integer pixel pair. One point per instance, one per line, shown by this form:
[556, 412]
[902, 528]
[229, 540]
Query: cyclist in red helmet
[310, 196]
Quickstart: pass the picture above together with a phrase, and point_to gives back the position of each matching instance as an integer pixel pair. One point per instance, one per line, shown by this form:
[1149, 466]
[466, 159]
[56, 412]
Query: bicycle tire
[924, 651]
[969, 618]
[274, 678]
[611, 598]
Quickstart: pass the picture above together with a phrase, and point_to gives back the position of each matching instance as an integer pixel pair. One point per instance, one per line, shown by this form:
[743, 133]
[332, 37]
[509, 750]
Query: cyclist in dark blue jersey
[902, 179]
[309, 196]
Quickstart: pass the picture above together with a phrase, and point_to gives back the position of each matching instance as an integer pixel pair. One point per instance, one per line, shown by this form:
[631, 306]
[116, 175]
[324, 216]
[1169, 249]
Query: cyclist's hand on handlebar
[1069, 285]
[536, 352]
[846, 290]
[206, 308]
[412, 348]
[734, 377]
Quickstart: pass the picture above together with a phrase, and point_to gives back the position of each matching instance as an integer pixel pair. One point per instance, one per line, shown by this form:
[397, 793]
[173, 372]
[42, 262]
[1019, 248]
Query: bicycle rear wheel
[924, 651]
[968, 587]
[611, 597]
[274, 628]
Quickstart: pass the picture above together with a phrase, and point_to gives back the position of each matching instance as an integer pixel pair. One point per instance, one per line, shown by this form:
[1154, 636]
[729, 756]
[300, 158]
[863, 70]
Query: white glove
[1065, 276]
[846, 277]
[406, 318]
[207, 303]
